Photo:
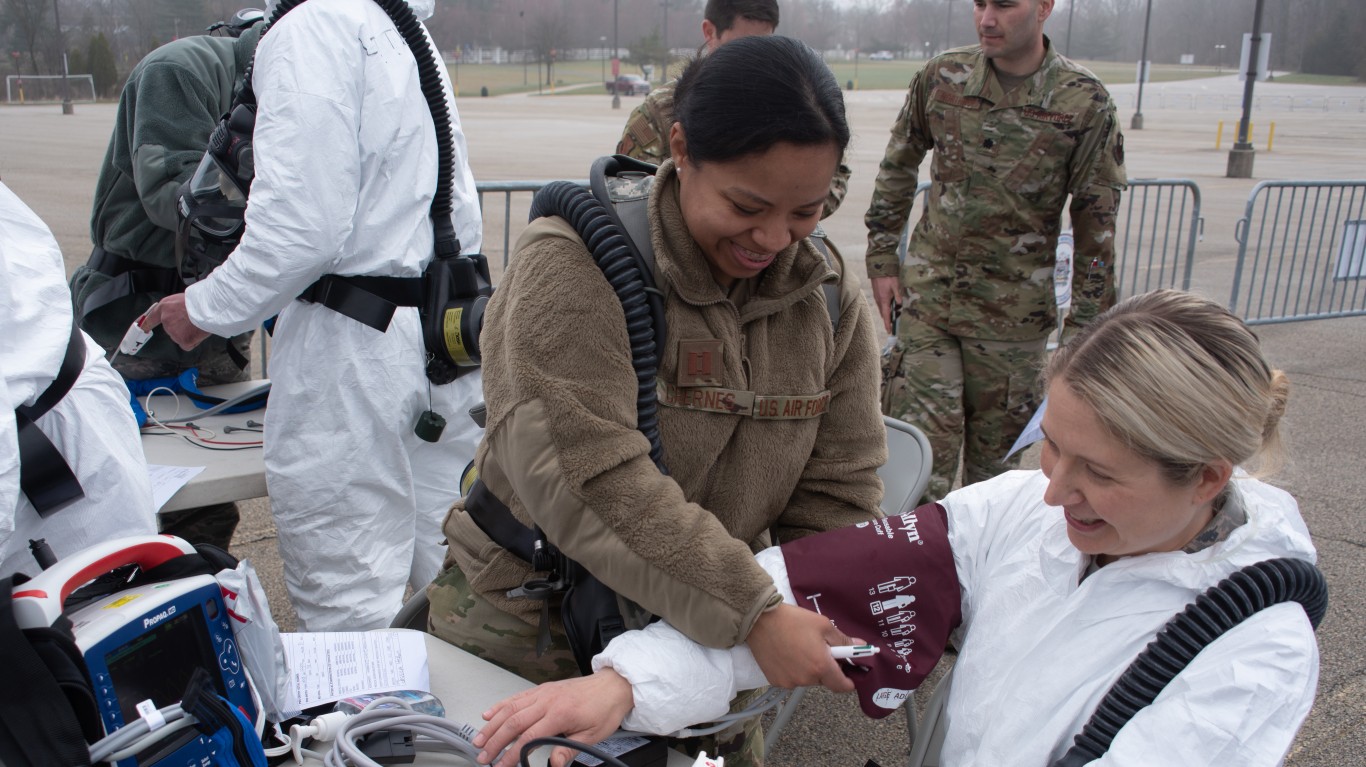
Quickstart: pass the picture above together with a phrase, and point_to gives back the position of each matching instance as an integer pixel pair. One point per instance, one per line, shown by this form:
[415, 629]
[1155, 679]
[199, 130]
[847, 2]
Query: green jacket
[170, 104]
[561, 447]
[981, 258]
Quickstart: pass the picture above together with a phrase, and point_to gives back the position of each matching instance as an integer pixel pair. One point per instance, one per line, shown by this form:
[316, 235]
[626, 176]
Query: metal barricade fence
[1159, 224]
[1301, 252]
[502, 217]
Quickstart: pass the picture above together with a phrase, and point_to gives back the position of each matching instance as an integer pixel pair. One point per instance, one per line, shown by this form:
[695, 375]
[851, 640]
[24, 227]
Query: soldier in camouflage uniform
[173, 99]
[1015, 129]
[646, 136]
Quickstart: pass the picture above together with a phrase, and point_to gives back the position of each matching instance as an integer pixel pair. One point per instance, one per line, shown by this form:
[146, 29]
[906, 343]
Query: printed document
[329, 666]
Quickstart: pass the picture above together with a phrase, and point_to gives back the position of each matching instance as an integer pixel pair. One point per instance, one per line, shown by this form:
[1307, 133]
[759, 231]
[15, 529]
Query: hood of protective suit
[422, 9]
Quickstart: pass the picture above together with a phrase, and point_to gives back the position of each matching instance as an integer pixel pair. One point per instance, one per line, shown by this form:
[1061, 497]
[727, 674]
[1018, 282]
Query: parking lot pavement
[51, 161]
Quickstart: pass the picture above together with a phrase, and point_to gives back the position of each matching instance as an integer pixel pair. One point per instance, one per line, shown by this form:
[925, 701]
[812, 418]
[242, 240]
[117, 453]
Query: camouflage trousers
[968, 395]
[461, 617]
[215, 365]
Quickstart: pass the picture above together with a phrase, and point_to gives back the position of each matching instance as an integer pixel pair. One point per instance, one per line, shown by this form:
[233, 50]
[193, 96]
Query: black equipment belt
[496, 520]
[44, 475]
[128, 277]
[370, 301]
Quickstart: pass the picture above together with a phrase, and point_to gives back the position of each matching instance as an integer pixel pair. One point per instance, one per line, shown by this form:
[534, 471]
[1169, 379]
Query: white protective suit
[346, 167]
[92, 426]
[1039, 650]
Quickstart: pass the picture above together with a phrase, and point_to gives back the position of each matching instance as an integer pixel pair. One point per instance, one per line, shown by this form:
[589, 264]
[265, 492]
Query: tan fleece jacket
[561, 447]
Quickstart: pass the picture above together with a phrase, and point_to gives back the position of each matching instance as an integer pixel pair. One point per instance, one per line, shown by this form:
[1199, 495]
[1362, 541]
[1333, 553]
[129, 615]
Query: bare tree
[30, 23]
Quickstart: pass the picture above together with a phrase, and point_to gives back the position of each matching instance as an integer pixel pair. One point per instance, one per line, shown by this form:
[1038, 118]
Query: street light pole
[602, 55]
[67, 108]
[1137, 122]
[664, 70]
[948, 25]
[1219, 57]
[522, 15]
[1240, 157]
[1071, 8]
[616, 54]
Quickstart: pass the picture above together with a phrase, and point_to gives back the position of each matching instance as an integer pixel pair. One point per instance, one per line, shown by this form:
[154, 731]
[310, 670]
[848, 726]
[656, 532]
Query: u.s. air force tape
[902, 595]
[762, 407]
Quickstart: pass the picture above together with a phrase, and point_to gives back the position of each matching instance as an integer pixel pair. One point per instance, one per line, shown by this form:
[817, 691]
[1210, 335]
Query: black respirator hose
[613, 255]
[1219, 609]
[430, 80]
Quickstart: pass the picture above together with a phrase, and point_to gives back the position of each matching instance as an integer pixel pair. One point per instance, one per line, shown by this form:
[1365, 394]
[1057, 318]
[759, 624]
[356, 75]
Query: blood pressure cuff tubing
[891, 583]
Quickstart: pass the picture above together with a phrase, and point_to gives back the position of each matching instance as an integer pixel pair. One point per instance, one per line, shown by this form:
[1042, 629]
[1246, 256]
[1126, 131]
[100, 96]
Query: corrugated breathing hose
[1214, 612]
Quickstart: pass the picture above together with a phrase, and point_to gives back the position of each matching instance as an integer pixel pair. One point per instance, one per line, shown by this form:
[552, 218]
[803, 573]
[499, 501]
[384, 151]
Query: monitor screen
[157, 665]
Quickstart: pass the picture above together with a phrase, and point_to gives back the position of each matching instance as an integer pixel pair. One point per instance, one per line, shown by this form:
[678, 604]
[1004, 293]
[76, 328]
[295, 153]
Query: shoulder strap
[833, 304]
[44, 475]
[39, 727]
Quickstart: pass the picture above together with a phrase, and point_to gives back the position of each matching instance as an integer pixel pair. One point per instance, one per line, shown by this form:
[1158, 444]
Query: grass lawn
[1303, 79]
[587, 77]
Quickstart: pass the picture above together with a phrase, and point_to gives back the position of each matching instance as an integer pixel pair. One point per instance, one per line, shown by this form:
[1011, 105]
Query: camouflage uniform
[173, 99]
[646, 138]
[977, 284]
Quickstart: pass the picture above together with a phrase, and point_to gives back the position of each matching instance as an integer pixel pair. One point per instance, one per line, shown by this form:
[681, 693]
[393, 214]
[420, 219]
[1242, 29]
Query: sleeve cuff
[883, 266]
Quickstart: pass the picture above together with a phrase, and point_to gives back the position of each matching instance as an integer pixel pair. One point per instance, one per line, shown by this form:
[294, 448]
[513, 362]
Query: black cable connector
[389, 747]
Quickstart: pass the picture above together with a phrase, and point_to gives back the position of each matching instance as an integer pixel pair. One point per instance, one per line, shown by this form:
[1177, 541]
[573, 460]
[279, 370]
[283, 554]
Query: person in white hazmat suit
[1065, 574]
[346, 169]
[92, 426]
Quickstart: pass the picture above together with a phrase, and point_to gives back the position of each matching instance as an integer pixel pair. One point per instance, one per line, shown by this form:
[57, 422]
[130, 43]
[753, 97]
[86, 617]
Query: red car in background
[630, 85]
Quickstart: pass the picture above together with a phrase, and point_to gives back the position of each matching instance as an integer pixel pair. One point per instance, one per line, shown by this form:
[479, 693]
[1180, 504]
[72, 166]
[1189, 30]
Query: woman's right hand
[792, 647]
[587, 709]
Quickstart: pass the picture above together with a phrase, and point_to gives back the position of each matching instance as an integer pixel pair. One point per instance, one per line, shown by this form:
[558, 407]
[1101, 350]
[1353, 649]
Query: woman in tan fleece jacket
[769, 420]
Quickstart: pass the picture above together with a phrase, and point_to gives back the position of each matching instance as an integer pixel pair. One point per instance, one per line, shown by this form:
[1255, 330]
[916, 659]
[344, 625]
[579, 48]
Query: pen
[845, 652]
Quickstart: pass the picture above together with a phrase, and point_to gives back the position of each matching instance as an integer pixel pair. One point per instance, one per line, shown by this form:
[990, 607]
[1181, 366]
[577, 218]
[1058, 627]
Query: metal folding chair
[413, 614]
[925, 751]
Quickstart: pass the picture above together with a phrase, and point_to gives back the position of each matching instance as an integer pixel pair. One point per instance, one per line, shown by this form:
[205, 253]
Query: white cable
[156, 736]
[224, 405]
[768, 700]
[134, 731]
[151, 413]
[431, 734]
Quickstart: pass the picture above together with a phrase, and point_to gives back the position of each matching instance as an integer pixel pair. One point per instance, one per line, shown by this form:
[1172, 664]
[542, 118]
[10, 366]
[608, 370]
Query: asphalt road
[51, 161]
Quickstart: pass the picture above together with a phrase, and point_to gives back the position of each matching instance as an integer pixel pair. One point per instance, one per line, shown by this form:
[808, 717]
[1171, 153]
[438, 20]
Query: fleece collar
[795, 274]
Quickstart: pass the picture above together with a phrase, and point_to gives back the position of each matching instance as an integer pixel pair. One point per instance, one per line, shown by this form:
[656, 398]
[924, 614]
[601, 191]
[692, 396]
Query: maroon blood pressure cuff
[891, 583]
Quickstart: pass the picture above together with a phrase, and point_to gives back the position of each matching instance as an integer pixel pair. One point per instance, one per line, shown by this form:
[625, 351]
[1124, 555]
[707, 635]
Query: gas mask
[213, 203]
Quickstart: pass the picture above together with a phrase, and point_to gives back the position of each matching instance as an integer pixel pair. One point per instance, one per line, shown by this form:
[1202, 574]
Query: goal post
[47, 89]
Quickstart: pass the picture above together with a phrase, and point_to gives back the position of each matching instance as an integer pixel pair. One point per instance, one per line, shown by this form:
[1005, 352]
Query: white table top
[467, 686]
[230, 475]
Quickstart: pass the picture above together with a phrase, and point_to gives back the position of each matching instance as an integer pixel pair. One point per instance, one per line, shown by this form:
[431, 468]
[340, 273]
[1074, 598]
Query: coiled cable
[1214, 612]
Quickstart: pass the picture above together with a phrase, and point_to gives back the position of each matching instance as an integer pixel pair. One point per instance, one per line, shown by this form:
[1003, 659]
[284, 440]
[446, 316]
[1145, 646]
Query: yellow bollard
[1271, 137]
[1219, 136]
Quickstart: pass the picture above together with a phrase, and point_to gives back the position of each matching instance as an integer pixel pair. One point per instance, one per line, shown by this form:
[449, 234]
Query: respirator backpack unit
[454, 288]
[612, 218]
[126, 654]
